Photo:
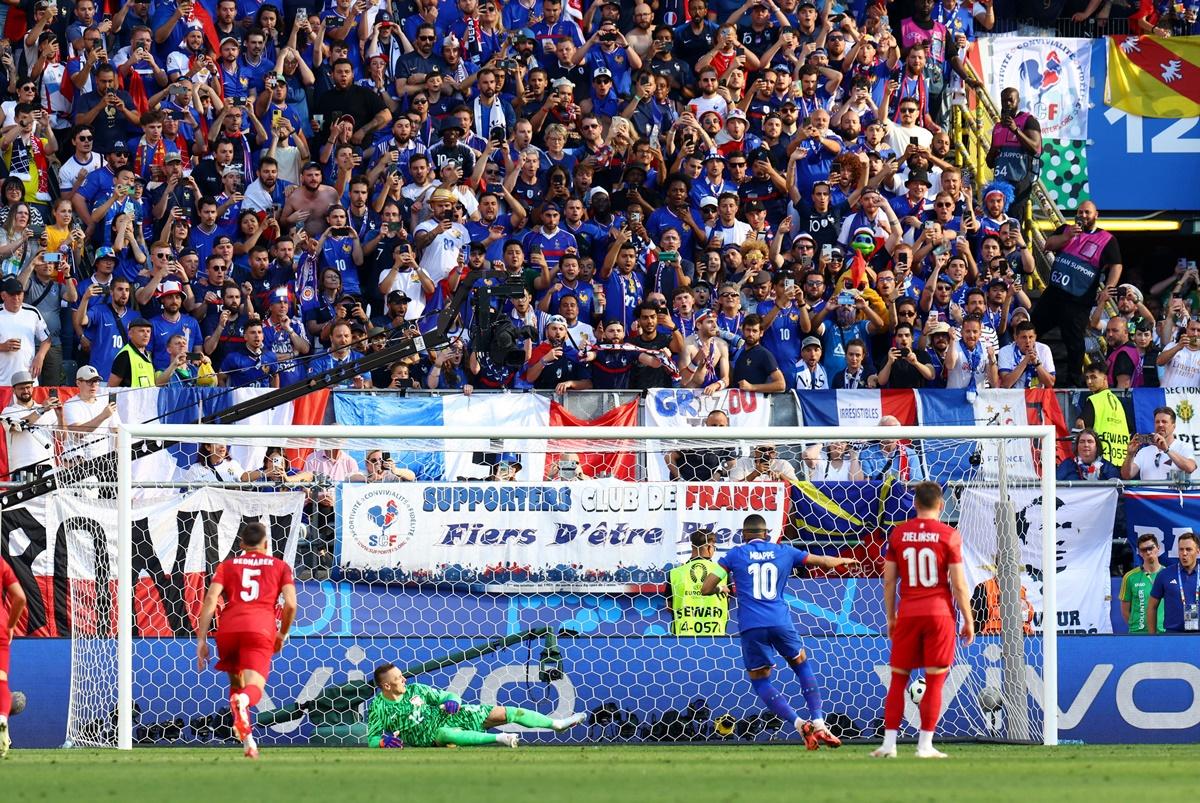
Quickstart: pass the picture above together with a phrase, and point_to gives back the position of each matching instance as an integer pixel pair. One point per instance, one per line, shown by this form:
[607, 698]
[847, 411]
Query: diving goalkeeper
[416, 715]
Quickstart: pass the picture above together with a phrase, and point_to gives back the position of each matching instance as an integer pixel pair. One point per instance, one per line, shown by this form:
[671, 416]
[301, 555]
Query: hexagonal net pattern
[551, 576]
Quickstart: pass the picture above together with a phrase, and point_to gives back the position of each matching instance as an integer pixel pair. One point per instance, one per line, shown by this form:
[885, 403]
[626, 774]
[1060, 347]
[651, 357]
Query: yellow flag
[1154, 76]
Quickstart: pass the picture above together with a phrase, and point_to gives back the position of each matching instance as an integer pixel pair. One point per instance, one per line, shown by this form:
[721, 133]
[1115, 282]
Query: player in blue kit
[759, 571]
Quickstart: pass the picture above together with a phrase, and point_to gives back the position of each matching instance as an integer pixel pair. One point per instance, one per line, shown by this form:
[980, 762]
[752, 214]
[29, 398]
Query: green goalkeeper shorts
[469, 717]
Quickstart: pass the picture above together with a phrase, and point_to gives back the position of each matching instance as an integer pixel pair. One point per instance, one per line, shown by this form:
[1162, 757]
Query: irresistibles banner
[63, 548]
[532, 530]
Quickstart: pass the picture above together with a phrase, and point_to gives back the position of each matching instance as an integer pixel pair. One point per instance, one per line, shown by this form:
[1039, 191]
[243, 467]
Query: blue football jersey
[759, 570]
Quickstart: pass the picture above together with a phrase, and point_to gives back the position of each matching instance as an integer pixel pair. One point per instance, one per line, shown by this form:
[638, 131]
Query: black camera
[498, 133]
[904, 351]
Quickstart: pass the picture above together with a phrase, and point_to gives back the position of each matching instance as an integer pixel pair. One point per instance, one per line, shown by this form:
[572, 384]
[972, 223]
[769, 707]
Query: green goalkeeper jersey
[416, 715]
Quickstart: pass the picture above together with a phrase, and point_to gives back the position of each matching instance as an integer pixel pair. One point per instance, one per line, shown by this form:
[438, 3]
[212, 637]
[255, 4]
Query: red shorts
[238, 651]
[920, 641]
[5, 646]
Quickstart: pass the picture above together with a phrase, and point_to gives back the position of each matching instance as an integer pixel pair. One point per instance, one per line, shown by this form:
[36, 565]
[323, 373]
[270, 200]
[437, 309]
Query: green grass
[624, 773]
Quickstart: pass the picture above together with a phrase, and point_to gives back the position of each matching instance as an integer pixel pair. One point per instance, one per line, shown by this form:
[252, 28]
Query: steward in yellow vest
[694, 614]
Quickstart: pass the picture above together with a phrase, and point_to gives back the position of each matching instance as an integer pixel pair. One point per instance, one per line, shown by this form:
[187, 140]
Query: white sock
[819, 723]
[925, 740]
[889, 739]
[3, 719]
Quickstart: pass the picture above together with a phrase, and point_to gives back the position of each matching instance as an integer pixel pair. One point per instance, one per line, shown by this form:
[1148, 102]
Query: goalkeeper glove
[391, 740]
[450, 707]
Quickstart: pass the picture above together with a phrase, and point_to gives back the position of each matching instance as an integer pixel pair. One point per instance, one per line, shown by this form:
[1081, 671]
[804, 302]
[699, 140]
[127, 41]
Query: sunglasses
[1147, 548]
[729, 295]
[84, 139]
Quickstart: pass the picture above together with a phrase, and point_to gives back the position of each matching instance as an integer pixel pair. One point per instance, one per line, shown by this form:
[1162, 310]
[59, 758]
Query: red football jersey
[7, 578]
[250, 583]
[923, 550]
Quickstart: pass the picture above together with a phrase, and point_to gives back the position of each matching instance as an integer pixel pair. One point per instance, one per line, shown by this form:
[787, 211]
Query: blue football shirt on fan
[759, 570]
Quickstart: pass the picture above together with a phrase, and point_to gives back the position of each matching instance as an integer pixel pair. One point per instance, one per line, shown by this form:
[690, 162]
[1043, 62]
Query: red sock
[893, 707]
[931, 703]
[254, 693]
[5, 698]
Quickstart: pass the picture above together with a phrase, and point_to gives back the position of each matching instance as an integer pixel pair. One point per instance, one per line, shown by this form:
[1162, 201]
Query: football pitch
[626, 773]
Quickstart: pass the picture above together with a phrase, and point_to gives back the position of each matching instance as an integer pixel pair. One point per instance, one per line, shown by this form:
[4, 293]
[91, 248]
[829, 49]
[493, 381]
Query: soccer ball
[916, 691]
[18, 703]
[990, 699]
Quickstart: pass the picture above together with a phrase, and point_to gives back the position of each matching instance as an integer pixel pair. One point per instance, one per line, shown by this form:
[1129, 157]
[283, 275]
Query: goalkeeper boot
[5, 739]
[884, 752]
[239, 705]
[509, 739]
[570, 722]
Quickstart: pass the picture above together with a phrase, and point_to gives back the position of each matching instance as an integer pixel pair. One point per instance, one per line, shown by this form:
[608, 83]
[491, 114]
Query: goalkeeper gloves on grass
[391, 740]
[450, 707]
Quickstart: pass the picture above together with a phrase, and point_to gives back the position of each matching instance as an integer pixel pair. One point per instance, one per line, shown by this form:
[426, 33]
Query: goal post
[835, 647]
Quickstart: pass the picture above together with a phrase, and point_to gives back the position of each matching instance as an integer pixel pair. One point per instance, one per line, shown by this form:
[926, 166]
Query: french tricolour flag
[855, 408]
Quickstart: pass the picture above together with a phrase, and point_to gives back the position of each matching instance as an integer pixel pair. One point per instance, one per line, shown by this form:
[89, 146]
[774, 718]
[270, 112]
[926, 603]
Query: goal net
[533, 568]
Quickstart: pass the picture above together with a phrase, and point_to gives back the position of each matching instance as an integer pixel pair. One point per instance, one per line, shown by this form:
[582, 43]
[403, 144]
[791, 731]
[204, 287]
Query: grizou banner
[1083, 548]
[63, 548]
[598, 529]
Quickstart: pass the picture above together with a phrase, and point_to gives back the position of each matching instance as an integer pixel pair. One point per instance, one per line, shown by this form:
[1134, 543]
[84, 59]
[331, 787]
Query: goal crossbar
[1044, 435]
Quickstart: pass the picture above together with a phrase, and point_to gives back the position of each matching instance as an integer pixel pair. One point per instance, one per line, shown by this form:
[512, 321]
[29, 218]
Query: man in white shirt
[762, 466]
[90, 420]
[83, 161]
[1182, 359]
[1026, 363]
[24, 338]
[442, 237]
[1160, 455]
[28, 425]
[909, 130]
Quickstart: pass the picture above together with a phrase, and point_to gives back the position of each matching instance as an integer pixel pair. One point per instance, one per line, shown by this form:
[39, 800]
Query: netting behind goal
[534, 572]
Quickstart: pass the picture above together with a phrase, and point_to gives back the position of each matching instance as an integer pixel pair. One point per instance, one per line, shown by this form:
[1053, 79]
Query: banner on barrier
[66, 542]
[681, 407]
[1165, 513]
[1084, 544]
[427, 529]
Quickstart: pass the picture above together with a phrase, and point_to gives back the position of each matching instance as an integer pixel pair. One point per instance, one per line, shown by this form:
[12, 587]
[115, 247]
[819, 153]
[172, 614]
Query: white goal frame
[1045, 436]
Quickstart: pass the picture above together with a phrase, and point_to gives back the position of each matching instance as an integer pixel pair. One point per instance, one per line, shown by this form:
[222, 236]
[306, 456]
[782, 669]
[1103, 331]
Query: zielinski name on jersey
[919, 538]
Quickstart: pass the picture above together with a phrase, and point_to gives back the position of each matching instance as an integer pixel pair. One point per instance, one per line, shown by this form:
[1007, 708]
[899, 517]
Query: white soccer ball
[916, 691]
[18, 703]
[990, 699]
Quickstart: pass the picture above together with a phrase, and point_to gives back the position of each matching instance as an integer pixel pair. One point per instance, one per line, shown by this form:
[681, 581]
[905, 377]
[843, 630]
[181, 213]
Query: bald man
[886, 457]
[1086, 257]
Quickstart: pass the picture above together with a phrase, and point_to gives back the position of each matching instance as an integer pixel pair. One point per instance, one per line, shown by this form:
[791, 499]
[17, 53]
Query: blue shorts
[783, 640]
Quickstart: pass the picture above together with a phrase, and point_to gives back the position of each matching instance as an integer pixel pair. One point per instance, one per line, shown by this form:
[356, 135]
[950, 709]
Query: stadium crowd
[761, 195]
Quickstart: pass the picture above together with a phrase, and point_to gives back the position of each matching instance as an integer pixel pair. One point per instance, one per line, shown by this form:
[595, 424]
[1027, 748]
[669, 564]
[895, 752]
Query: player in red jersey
[247, 638]
[14, 599]
[924, 558]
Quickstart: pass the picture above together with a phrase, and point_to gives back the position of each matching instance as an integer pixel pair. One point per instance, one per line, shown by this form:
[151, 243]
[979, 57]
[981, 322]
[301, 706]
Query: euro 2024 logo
[1051, 82]
[382, 522]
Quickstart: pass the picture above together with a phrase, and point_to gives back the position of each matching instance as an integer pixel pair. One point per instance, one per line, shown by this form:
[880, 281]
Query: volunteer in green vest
[1136, 585]
[132, 367]
[692, 613]
[1105, 412]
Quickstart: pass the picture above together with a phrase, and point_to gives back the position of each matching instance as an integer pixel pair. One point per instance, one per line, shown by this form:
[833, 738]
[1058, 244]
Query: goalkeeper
[417, 715]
